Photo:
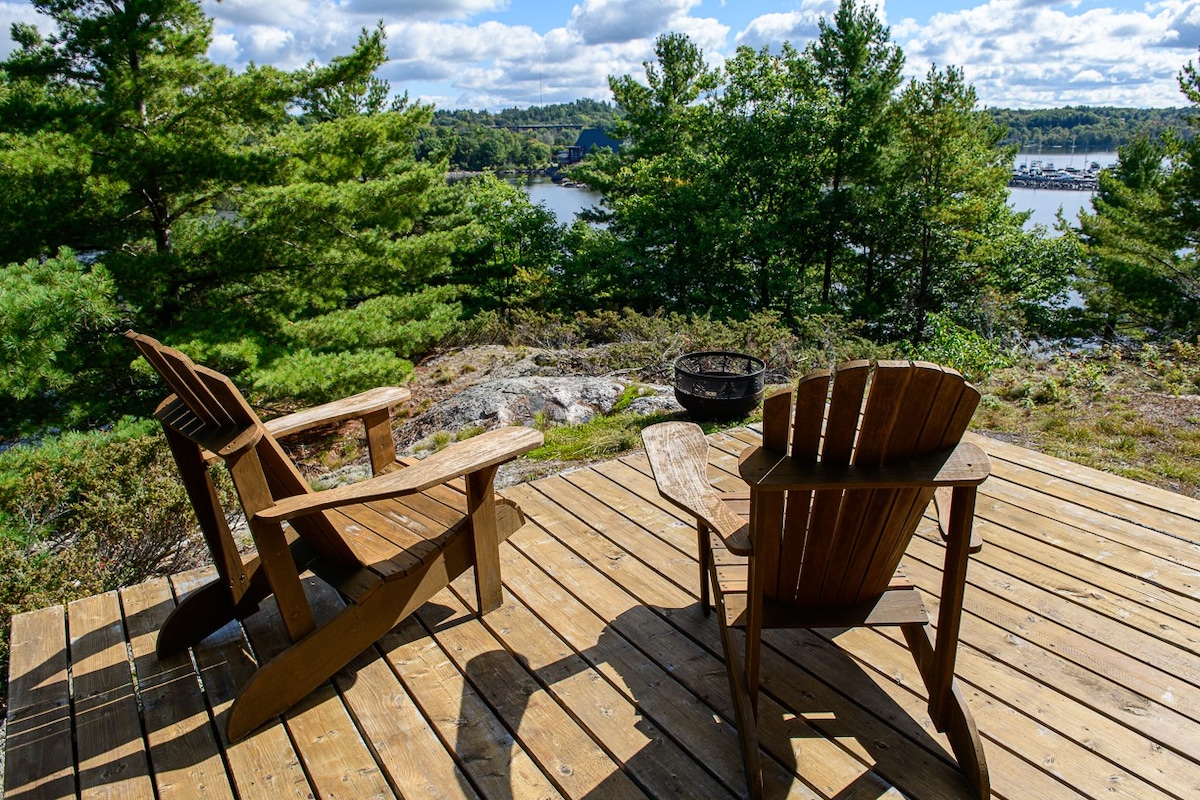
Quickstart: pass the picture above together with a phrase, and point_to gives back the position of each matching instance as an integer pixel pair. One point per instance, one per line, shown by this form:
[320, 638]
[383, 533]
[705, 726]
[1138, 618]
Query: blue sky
[501, 53]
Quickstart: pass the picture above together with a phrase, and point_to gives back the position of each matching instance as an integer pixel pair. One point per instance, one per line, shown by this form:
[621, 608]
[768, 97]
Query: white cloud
[1088, 76]
[797, 27]
[268, 43]
[1029, 53]
[618, 21]
[225, 49]
[425, 9]
[255, 12]
[1017, 53]
[493, 65]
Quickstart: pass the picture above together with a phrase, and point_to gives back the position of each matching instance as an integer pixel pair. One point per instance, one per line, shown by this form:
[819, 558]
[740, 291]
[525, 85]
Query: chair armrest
[347, 408]
[678, 454]
[942, 502]
[772, 471]
[480, 452]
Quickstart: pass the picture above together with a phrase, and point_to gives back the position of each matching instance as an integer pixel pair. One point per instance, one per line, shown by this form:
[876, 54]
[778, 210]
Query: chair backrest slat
[179, 372]
[888, 384]
[818, 543]
[214, 412]
[838, 547]
[812, 396]
[886, 517]
[776, 423]
[945, 424]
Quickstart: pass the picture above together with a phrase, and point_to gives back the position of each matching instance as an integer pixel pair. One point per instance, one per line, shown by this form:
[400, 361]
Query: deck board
[599, 677]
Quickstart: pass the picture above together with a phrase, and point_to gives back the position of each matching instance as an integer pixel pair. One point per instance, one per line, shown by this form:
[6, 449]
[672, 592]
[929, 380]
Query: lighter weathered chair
[836, 492]
[387, 544]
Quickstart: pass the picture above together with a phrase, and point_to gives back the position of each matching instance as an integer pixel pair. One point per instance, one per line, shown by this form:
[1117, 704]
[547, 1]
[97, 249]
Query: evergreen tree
[1143, 234]
[662, 246]
[1141, 274]
[949, 180]
[309, 253]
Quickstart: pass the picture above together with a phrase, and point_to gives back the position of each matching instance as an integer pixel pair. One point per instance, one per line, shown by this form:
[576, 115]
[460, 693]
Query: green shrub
[406, 325]
[649, 343]
[960, 348]
[322, 377]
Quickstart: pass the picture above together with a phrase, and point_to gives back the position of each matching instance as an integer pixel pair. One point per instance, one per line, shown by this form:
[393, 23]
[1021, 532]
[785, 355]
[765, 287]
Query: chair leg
[744, 709]
[949, 711]
[301, 668]
[207, 610]
[704, 548]
[486, 538]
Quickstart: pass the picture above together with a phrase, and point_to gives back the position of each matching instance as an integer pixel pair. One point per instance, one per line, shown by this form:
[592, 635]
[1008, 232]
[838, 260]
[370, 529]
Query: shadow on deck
[599, 677]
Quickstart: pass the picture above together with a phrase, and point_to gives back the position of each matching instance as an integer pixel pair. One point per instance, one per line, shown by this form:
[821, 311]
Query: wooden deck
[599, 678]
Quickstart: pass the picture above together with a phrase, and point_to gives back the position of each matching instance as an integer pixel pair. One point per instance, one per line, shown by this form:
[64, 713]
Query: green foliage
[513, 138]
[227, 225]
[1087, 128]
[477, 148]
[48, 312]
[649, 343]
[1141, 241]
[1143, 273]
[950, 180]
[802, 183]
[856, 70]
[960, 348]
[407, 325]
[519, 247]
[632, 392]
[322, 377]
[600, 437]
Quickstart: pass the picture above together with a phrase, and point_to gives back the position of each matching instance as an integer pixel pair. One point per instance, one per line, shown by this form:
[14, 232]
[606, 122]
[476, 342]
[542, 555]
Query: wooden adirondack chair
[836, 491]
[387, 543]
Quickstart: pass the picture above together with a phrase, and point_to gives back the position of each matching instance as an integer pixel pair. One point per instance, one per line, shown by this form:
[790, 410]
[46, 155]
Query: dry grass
[1136, 417]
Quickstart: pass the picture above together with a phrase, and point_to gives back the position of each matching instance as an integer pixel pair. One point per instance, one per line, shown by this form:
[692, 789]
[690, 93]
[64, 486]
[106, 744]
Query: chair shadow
[805, 708]
[97, 712]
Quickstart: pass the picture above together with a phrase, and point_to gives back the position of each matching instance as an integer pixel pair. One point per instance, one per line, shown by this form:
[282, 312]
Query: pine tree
[308, 253]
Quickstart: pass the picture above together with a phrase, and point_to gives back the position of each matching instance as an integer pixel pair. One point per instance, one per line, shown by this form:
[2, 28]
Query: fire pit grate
[719, 385]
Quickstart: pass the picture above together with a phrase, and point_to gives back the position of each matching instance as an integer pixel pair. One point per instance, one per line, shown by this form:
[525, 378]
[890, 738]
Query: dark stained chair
[387, 543]
[837, 489]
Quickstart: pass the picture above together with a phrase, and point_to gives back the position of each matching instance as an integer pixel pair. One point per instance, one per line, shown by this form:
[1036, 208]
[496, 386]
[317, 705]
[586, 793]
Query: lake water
[563, 201]
[567, 201]
[1045, 203]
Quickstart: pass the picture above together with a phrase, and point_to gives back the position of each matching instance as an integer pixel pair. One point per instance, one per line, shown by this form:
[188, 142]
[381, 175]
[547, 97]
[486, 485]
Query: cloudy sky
[501, 53]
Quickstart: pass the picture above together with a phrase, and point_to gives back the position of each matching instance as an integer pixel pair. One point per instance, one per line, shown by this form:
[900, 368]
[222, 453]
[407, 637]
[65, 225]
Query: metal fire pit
[718, 384]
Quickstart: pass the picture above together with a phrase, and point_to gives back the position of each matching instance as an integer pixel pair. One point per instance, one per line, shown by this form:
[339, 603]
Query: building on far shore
[588, 138]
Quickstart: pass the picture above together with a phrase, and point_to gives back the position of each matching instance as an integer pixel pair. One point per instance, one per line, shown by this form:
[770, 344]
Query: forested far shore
[1083, 129]
[530, 138]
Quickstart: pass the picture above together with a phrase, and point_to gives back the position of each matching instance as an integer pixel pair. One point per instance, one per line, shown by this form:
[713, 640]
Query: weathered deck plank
[108, 732]
[598, 676]
[40, 756]
[183, 743]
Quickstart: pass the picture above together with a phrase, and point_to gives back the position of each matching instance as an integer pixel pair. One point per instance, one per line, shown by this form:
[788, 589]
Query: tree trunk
[831, 234]
[921, 302]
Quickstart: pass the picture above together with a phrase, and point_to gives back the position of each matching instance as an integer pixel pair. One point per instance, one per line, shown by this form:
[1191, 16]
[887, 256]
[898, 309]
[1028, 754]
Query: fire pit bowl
[719, 385]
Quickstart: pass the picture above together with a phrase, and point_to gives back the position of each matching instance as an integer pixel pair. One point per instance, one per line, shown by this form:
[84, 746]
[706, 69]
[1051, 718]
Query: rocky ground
[461, 391]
